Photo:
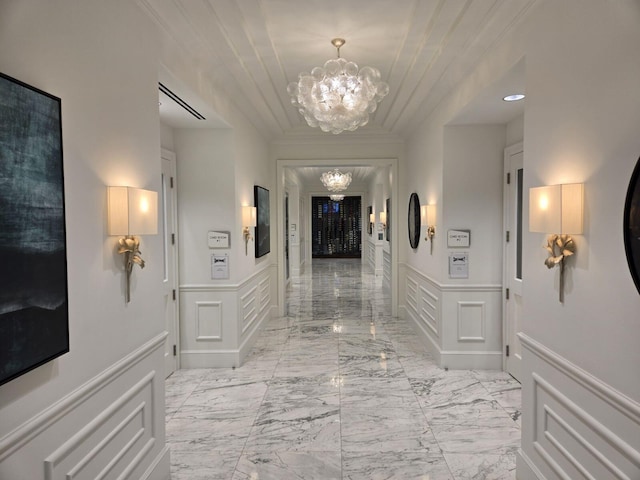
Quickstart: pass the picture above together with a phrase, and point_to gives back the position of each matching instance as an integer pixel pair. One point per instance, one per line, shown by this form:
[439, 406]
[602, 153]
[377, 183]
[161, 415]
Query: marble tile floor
[339, 389]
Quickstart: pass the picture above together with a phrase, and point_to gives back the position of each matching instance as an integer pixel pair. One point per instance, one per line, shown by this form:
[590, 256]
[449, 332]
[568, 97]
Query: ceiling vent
[180, 102]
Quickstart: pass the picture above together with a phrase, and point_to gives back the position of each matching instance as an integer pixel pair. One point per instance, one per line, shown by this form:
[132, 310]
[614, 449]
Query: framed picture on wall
[414, 220]
[34, 325]
[263, 223]
[632, 226]
[388, 226]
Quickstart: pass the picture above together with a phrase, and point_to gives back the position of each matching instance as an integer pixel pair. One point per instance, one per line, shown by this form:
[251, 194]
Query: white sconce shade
[372, 218]
[132, 211]
[383, 218]
[557, 209]
[429, 215]
[248, 216]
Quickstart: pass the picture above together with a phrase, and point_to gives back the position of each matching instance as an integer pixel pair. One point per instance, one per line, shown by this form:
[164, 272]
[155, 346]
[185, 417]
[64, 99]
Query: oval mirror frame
[632, 225]
[414, 220]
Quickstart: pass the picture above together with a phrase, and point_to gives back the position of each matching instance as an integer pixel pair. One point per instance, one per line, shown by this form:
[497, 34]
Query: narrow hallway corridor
[338, 389]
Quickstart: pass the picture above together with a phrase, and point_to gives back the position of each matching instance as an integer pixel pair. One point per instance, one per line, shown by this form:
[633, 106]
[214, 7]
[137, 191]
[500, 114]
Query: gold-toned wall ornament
[131, 212]
[559, 248]
[130, 248]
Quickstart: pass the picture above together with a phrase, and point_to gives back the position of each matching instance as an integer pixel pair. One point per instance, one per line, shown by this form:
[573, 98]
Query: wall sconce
[383, 219]
[131, 212]
[557, 210]
[372, 219]
[428, 217]
[248, 220]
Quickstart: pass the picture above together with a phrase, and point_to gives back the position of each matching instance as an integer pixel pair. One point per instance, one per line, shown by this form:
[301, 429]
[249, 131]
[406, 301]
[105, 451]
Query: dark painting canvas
[263, 238]
[33, 278]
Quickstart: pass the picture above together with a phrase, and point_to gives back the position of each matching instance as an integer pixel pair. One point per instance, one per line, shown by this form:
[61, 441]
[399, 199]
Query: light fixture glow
[557, 210]
[248, 220]
[428, 217]
[514, 97]
[336, 198]
[338, 96]
[335, 180]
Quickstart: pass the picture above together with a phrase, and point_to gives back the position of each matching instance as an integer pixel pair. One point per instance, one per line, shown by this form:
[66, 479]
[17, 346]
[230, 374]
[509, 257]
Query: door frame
[508, 153]
[167, 155]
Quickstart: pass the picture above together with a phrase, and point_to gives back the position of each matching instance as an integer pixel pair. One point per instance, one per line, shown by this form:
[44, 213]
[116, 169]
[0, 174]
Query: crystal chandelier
[335, 180]
[336, 198]
[338, 96]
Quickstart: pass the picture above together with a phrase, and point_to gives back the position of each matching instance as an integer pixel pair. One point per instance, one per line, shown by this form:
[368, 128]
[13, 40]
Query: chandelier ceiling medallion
[335, 180]
[338, 96]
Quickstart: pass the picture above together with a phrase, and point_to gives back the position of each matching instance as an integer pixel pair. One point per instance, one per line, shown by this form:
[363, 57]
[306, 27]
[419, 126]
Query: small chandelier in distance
[335, 180]
[336, 198]
[338, 96]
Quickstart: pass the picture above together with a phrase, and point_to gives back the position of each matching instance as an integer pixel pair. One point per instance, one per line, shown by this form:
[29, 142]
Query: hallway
[338, 389]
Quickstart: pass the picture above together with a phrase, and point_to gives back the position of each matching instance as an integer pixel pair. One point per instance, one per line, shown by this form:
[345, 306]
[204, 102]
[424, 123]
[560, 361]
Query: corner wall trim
[450, 287]
[228, 287]
[30, 429]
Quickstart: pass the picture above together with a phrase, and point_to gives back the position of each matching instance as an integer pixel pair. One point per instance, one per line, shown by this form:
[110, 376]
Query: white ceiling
[251, 50]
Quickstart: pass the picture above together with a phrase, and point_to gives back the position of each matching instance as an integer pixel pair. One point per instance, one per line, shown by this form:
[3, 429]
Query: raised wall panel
[265, 293]
[580, 427]
[429, 309]
[471, 322]
[386, 268]
[125, 426]
[412, 295]
[249, 312]
[208, 320]
[108, 428]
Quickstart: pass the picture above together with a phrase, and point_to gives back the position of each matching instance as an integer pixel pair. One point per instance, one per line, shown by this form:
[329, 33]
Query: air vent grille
[180, 102]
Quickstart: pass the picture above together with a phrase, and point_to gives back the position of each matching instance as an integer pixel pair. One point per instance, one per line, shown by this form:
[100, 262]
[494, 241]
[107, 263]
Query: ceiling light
[336, 198]
[338, 96]
[514, 97]
[335, 180]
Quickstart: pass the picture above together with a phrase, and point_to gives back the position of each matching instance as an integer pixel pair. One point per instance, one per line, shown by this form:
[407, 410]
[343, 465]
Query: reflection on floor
[338, 389]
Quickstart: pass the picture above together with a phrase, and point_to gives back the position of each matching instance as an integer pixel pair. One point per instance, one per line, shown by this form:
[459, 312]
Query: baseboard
[525, 469]
[209, 358]
[460, 360]
[160, 468]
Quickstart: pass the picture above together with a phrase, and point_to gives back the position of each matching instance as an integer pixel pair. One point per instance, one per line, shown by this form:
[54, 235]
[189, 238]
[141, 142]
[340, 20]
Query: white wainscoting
[386, 269]
[371, 255]
[220, 322]
[578, 426]
[460, 324]
[110, 427]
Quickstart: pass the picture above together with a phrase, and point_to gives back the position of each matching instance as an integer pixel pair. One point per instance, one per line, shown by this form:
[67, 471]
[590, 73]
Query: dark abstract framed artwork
[388, 225]
[263, 234]
[632, 225]
[34, 324]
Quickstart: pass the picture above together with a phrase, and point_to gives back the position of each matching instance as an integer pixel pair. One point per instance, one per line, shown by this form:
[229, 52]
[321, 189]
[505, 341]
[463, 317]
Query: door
[513, 221]
[170, 244]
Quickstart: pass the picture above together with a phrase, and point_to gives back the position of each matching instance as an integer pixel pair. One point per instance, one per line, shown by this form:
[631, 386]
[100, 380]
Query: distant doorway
[336, 227]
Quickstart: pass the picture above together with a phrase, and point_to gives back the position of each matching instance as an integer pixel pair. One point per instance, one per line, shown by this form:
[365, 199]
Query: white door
[170, 277]
[513, 221]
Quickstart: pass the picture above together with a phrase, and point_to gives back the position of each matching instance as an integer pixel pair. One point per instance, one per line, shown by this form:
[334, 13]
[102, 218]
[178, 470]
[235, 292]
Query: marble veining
[339, 389]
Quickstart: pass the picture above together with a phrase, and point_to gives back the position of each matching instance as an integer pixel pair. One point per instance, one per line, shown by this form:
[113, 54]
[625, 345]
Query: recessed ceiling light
[513, 98]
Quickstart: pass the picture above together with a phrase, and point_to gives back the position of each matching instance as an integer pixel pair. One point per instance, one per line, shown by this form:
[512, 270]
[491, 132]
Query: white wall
[217, 170]
[581, 390]
[581, 126]
[100, 59]
[472, 200]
